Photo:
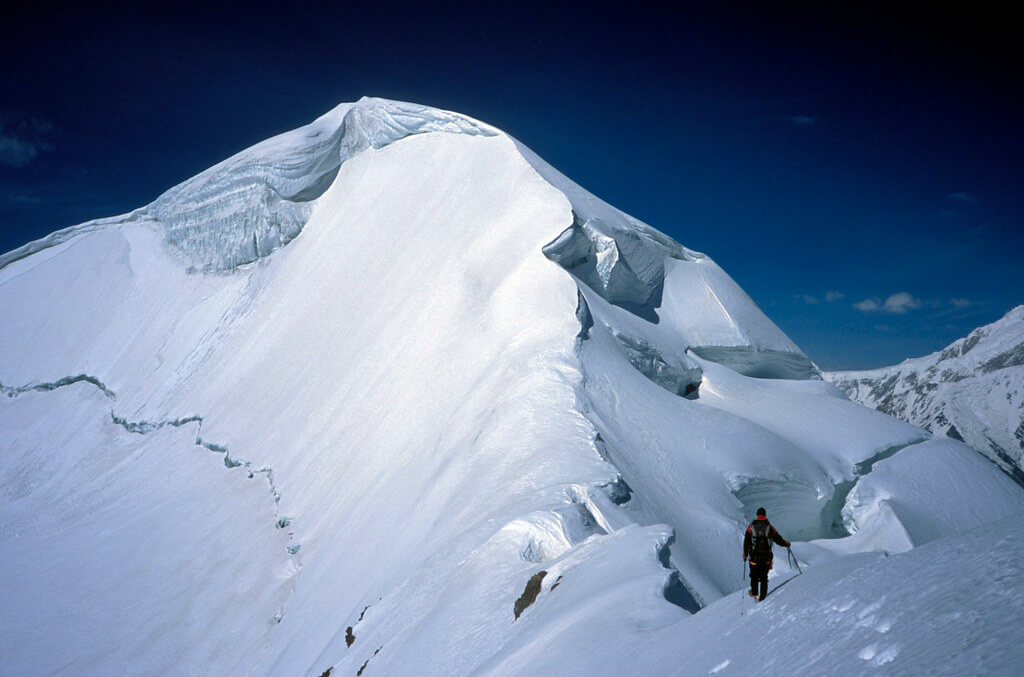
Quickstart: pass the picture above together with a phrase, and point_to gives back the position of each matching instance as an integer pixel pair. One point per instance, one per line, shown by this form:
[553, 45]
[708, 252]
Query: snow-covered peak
[652, 291]
[994, 346]
[985, 349]
[468, 410]
[972, 390]
[257, 201]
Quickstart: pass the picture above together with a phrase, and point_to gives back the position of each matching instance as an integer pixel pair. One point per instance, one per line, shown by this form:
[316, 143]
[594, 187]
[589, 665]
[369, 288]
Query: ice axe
[744, 579]
[793, 560]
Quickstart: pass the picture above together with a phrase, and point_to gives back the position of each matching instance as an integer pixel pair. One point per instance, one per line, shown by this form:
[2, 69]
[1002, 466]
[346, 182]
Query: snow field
[115, 545]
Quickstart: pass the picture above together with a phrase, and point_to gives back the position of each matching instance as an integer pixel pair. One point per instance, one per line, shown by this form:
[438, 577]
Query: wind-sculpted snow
[60, 237]
[680, 377]
[972, 391]
[259, 200]
[465, 372]
[626, 267]
[757, 363]
[800, 505]
[244, 208]
[676, 297]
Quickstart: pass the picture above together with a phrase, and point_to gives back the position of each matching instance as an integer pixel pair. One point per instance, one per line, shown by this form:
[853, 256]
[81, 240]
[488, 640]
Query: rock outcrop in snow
[456, 369]
[972, 391]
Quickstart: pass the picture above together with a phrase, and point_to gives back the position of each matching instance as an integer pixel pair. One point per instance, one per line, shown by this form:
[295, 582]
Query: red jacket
[772, 534]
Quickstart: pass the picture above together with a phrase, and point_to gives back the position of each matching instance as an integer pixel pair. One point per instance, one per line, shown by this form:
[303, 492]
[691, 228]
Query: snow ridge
[64, 235]
[625, 266]
[256, 202]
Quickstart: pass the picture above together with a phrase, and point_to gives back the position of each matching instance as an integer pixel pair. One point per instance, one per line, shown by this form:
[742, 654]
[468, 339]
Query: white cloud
[900, 303]
[960, 303]
[897, 304]
[834, 296]
[807, 298]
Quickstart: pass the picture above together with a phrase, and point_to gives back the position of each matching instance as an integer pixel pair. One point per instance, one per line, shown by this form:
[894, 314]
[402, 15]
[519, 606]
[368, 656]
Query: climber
[757, 545]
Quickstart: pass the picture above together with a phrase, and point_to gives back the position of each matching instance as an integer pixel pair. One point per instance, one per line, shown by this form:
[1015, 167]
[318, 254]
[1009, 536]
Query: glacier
[336, 403]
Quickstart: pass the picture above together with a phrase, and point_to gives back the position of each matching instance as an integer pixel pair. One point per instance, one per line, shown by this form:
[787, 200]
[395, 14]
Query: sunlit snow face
[258, 201]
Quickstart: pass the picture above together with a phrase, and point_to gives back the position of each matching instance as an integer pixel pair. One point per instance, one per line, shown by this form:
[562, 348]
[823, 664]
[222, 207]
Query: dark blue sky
[859, 172]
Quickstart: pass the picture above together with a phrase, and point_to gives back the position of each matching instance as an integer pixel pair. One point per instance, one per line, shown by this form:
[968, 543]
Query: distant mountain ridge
[972, 391]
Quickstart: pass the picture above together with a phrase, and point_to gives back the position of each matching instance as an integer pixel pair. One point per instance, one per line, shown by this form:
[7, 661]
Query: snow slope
[335, 402]
[951, 607]
[972, 391]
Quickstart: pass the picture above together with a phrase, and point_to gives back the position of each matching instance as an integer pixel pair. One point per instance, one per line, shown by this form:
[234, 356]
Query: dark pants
[759, 577]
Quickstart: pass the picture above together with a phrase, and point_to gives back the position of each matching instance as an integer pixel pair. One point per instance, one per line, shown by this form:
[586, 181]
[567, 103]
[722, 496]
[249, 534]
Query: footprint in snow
[721, 666]
[878, 656]
[867, 617]
[843, 607]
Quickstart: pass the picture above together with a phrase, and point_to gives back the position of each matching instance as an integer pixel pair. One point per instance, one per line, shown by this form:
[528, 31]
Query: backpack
[760, 541]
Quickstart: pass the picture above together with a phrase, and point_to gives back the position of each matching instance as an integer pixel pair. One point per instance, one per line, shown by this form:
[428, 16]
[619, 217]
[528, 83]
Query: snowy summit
[388, 394]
